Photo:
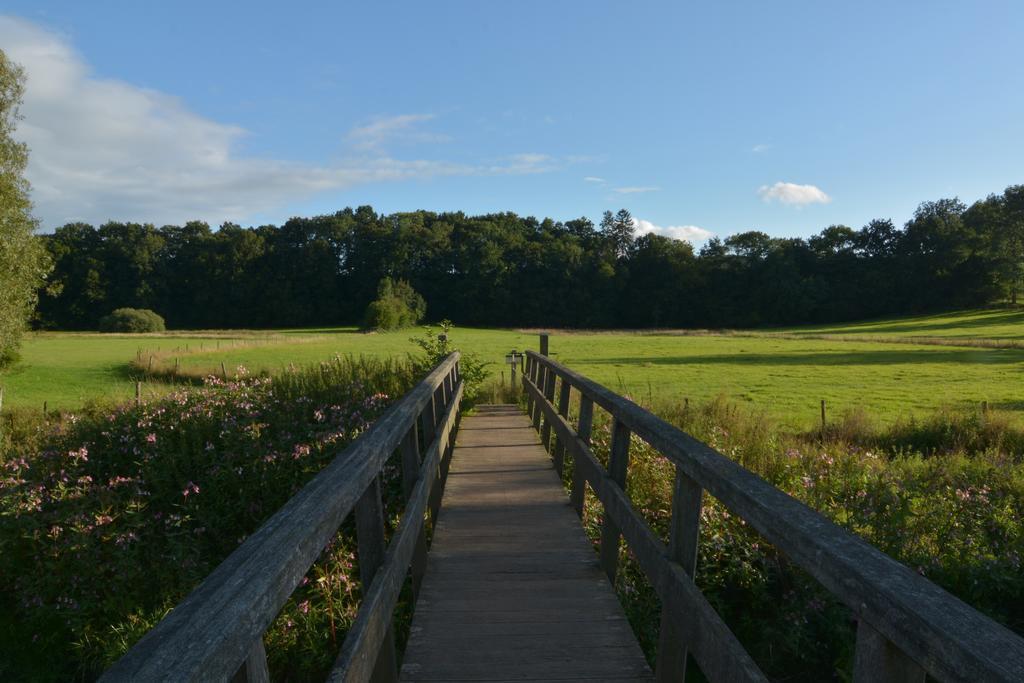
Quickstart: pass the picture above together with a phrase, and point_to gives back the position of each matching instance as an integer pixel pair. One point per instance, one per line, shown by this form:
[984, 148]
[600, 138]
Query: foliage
[437, 346]
[23, 262]
[506, 270]
[110, 517]
[132, 320]
[397, 305]
[955, 518]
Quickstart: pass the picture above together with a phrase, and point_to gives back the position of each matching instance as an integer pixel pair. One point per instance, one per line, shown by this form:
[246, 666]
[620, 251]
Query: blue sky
[698, 117]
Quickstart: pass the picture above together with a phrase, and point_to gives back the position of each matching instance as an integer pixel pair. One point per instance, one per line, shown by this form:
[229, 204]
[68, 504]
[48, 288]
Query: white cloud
[593, 179]
[791, 193]
[690, 233]
[757, 149]
[635, 189]
[103, 149]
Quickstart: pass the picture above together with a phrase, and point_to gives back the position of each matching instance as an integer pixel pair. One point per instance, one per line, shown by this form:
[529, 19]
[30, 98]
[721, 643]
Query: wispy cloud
[402, 127]
[793, 194]
[689, 233]
[593, 179]
[103, 149]
[635, 189]
[758, 149]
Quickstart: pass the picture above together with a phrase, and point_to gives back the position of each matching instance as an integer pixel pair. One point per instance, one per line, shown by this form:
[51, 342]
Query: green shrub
[397, 305]
[132, 320]
[436, 347]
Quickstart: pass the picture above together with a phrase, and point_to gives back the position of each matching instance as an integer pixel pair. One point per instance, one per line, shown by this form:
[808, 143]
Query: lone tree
[397, 305]
[23, 262]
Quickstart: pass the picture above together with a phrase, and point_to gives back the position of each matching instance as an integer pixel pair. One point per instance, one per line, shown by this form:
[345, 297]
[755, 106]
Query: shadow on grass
[867, 357]
[920, 326]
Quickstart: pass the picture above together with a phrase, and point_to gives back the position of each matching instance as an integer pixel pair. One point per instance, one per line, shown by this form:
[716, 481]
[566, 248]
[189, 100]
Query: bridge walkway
[513, 589]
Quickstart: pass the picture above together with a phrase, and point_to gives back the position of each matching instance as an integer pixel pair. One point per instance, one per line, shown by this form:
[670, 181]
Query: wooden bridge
[510, 587]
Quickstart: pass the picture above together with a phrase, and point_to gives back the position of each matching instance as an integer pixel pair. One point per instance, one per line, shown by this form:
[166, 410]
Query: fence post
[411, 464]
[682, 548]
[254, 668]
[549, 395]
[877, 659]
[540, 381]
[543, 343]
[578, 494]
[618, 463]
[528, 374]
[563, 409]
[372, 546]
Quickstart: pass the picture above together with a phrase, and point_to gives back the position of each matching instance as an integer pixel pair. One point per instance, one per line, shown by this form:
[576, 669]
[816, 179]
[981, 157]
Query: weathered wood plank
[948, 638]
[254, 668]
[876, 660]
[618, 463]
[372, 546]
[513, 586]
[578, 495]
[558, 454]
[687, 497]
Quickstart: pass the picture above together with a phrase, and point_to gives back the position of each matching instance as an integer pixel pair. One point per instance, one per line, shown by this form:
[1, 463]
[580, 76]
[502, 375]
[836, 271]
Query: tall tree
[23, 263]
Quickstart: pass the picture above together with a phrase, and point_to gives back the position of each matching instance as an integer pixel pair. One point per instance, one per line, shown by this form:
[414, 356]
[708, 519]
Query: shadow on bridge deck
[513, 588]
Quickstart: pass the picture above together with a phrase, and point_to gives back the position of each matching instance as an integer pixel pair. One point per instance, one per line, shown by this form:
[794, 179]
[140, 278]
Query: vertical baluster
[549, 394]
[682, 548]
[539, 382]
[558, 454]
[427, 424]
[528, 374]
[877, 660]
[618, 463]
[254, 668]
[410, 475]
[370, 537]
[578, 494]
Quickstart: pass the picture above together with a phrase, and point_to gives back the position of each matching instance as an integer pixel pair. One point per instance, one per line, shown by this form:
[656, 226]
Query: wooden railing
[907, 626]
[216, 633]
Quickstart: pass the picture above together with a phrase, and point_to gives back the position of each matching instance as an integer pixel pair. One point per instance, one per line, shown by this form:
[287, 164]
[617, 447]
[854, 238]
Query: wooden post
[687, 499]
[223, 371]
[541, 382]
[138, 394]
[410, 475]
[563, 409]
[527, 373]
[875, 659]
[822, 419]
[543, 343]
[618, 463]
[254, 668]
[372, 546]
[549, 395]
[578, 494]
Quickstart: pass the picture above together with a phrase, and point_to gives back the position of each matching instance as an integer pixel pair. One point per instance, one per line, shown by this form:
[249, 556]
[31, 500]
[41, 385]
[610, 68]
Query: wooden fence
[216, 633]
[907, 626]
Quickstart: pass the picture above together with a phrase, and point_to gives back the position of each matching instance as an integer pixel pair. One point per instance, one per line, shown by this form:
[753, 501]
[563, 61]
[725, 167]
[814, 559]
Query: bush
[436, 346]
[132, 320]
[397, 305]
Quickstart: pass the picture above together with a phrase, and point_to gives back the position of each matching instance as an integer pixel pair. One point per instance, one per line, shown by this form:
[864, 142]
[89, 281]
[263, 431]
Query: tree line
[507, 270]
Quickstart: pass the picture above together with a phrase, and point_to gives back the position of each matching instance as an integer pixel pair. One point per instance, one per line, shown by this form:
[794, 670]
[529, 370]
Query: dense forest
[508, 270]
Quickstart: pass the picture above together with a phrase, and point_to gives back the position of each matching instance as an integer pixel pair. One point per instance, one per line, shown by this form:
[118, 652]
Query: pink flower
[151, 438]
[304, 606]
[190, 488]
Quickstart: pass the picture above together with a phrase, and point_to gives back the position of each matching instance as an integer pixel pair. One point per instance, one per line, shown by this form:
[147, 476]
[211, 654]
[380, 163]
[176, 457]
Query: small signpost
[513, 358]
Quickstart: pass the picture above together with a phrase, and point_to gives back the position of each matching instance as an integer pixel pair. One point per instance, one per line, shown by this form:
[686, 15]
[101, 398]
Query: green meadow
[890, 369]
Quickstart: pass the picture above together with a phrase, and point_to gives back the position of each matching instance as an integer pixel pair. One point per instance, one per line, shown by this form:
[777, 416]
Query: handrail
[907, 624]
[216, 632]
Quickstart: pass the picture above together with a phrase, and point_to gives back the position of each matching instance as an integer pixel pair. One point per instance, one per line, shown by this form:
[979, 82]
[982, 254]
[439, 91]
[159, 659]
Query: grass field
[877, 366]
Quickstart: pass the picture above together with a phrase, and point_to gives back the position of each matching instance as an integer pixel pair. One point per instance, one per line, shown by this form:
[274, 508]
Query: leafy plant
[437, 345]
